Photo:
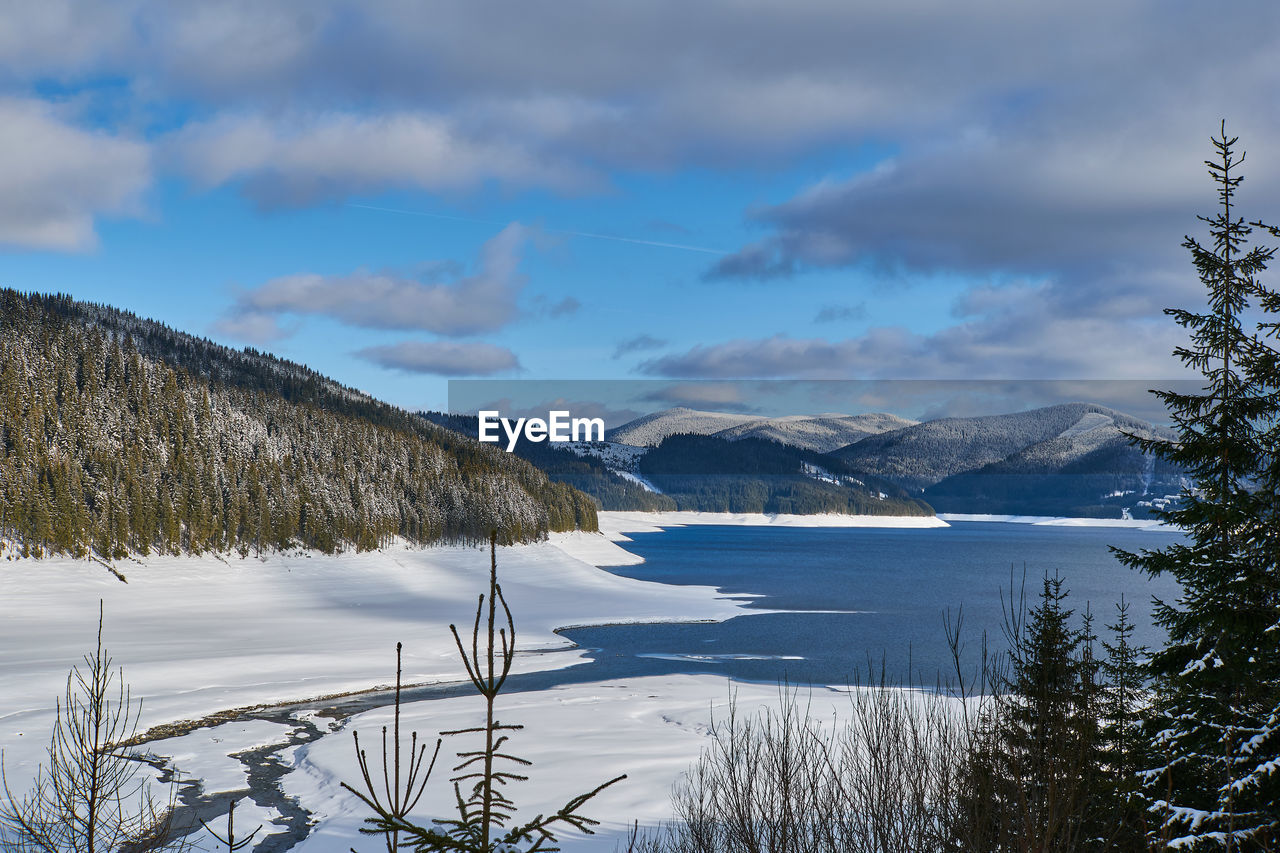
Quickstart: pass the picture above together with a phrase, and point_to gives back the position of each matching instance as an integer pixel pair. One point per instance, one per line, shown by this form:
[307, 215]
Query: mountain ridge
[1066, 459]
[822, 433]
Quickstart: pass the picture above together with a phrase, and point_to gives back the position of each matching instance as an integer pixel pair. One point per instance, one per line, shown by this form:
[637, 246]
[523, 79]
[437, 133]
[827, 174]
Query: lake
[859, 597]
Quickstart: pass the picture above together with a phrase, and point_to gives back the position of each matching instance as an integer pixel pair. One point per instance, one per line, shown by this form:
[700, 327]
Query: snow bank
[614, 524]
[197, 635]
[1055, 521]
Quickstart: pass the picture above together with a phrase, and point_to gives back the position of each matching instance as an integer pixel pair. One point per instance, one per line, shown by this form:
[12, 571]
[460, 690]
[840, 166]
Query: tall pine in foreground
[1216, 784]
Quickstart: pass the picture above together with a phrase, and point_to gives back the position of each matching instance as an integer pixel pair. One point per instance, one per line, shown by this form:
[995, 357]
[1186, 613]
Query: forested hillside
[712, 474]
[120, 435]
[1091, 472]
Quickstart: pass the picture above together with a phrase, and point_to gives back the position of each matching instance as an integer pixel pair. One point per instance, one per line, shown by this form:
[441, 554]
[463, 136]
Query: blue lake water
[863, 596]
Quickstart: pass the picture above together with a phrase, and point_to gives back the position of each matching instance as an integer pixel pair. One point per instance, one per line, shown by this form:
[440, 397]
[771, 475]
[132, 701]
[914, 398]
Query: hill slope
[1069, 459]
[711, 474]
[919, 456]
[118, 434]
[1089, 469]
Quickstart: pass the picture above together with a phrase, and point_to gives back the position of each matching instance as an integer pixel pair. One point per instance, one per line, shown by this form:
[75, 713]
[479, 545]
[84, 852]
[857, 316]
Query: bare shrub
[786, 782]
[90, 798]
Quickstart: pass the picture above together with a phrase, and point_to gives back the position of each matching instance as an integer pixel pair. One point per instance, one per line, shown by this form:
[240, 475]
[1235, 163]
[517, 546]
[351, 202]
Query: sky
[398, 193]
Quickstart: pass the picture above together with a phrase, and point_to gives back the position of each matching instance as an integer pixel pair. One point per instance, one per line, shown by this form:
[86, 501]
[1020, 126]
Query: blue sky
[397, 193]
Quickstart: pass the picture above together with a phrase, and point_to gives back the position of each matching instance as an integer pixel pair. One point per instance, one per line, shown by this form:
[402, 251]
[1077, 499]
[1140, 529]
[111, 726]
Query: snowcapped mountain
[921, 455]
[1069, 459]
[649, 430]
[1086, 469]
[821, 433]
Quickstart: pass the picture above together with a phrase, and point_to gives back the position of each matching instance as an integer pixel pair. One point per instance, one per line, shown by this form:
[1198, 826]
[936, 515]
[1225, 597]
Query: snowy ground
[202, 635]
[577, 737]
[1056, 521]
[199, 635]
[614, 523]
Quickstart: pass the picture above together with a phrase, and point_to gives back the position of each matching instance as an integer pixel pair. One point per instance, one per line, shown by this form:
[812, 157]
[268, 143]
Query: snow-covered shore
[1061, 521]
[198, 635]
[613, 524]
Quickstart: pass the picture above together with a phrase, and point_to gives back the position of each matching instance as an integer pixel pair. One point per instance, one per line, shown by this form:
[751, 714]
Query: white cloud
[56, 178]
[481, 302]
[1022, 334]
[304, 159]
[443, 358]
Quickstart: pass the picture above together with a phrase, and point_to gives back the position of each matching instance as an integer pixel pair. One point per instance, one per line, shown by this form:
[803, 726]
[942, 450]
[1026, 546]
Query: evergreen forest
[119, 435]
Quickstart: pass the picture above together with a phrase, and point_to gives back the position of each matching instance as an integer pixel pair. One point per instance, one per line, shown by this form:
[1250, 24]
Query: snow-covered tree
[1217, 784]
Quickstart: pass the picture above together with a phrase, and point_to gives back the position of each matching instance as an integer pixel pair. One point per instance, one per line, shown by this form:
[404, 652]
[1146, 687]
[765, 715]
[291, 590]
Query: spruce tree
[1032, 778]
[1215, 698]
[1123, 752]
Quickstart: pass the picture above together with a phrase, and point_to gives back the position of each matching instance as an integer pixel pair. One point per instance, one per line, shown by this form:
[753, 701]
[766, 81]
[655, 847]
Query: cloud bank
[484, 301]
[443, 358]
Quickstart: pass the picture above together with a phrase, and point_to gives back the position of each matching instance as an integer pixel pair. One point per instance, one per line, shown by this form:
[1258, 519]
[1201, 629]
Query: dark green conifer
[1215, 698]
[1032, 777]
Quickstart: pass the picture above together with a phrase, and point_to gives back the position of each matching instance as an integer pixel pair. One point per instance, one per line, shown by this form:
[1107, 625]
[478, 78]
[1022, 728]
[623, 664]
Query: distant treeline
[120, 435]
[712, 474]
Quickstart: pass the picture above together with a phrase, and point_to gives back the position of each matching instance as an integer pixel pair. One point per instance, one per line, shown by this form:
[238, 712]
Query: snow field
[198, 635]
[577, 737]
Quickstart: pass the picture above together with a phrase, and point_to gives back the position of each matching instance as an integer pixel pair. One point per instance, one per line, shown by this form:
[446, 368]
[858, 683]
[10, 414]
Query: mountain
[1072, 459]
[709, 473]
[924, 454]
[119, 435]
[821, 433]
[1069, 459]
[1091, 469]
[712, 474]
[649, 430]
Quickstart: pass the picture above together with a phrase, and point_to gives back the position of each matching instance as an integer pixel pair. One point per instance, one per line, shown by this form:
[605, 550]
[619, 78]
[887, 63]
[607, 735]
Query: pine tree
[1032, 778]
[1123, 749]
[1216, 700]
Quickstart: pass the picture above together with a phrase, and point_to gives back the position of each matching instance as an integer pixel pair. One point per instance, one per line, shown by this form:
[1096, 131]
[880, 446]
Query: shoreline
[613, 523]
[1061, 521]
